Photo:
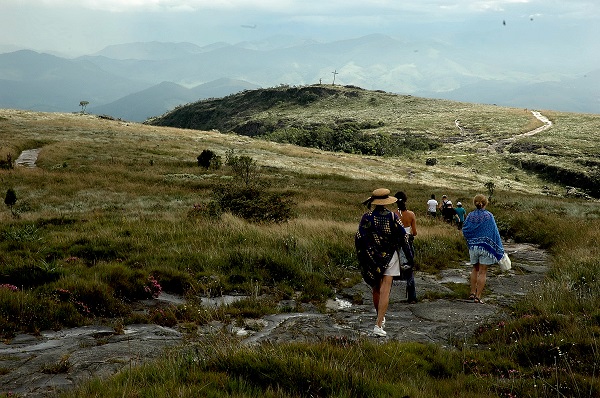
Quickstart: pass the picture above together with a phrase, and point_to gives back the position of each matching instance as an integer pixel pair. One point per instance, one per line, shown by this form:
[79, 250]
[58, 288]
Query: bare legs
[381, 297]
[478, 275]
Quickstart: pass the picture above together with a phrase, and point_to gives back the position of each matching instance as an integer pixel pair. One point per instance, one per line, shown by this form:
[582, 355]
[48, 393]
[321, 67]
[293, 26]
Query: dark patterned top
[380, 233]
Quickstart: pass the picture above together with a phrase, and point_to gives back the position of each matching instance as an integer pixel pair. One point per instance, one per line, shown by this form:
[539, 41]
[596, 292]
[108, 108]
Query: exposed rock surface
[28, 158]
[438, 321]
[40, 366]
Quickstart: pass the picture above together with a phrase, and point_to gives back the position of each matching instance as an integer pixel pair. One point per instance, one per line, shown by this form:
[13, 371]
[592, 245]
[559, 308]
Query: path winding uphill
[547, 124]
[499, 146]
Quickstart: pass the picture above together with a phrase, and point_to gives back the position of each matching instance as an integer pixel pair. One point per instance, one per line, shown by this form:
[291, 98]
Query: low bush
[91, 297]
[128, 283]
[26, 276]
[31, 312]
[254, 203]
[435, 253]
[209, 160]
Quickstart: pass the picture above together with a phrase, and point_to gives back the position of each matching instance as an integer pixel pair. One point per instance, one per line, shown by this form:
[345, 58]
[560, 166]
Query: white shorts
[481, 256]
[393, 268]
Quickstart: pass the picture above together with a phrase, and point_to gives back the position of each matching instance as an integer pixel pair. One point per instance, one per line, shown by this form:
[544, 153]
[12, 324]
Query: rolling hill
[353, 120]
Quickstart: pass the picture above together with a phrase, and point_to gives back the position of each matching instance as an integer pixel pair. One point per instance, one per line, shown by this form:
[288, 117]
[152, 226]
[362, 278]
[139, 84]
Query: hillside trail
[41, 366]
[547, 123]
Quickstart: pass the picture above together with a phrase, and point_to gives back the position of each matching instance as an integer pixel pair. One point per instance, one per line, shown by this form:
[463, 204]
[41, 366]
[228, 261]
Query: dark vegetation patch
[223, 113]
[237, 113]
[588, 180]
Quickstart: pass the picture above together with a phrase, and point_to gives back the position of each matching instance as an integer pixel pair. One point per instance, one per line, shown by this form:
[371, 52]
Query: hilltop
[474, 141]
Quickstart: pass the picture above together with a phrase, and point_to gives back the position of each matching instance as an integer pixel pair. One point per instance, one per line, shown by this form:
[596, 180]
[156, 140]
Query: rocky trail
[41, 366]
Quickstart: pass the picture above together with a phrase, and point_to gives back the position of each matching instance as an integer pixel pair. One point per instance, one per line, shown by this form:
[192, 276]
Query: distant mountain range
[158, 99]
[139, 80]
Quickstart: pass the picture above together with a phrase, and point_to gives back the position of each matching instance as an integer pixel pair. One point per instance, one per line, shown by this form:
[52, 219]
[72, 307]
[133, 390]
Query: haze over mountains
[136, 81]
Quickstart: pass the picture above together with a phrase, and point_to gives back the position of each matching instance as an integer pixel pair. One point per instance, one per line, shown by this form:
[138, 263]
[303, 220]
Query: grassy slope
[130, 187]
[466, 157]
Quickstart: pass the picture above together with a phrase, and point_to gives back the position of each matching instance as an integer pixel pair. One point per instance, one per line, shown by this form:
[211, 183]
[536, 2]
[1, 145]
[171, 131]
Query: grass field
[109, 216]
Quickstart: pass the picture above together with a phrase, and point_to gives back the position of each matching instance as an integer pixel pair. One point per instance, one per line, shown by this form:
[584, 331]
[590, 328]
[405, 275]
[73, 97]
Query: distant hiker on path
[379, 237]
[460, 214]
[485, 245]
[409, 221]
[432, 205]
[443, 203]
[448, 212]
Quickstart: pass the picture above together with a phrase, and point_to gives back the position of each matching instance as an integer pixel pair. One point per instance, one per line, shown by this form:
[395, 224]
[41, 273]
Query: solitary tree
[10, 199]
[208, 159]
[83, 105]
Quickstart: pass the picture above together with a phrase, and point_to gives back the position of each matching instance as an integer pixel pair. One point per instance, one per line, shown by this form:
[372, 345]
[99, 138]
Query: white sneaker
[377, 331]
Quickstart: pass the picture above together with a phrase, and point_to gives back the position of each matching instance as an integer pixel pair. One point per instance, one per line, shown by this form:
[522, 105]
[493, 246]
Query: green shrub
[91, 297]
[252, 307]
[173, 280]
[209, 159]
[94, 250]
[8, 163]
[127, 283]
[30, 275]
[244, 167]
[254, 203]
[433, 254]
[11, 198]
[32, 312]
[163, 316]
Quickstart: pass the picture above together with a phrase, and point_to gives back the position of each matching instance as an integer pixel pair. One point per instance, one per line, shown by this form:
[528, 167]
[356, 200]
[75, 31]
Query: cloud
[426, 8]
[83, 26]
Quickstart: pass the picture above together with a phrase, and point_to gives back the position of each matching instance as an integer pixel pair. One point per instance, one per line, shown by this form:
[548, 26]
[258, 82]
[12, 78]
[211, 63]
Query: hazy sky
[76, 27]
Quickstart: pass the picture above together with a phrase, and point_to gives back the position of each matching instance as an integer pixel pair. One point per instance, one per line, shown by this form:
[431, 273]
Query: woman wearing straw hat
[379, 237]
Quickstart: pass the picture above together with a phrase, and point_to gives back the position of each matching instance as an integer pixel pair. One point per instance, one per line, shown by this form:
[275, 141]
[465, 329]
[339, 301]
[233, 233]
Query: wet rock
[41, 366]
[436, 321]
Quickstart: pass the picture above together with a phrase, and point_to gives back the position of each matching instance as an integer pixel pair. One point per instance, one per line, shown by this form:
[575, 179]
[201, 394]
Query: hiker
[443, 203]
[485, 246]
[448, 212]
[460, 215]
[432, 205]
[409, 221]
[379, 237]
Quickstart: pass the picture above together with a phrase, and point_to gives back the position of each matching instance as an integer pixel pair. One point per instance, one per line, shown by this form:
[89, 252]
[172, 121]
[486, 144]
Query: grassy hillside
[406, 131]
[116, 212]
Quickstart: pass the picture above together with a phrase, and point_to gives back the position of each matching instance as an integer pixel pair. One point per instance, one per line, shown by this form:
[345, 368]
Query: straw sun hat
[381, 196]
